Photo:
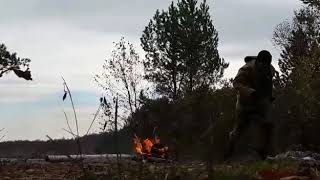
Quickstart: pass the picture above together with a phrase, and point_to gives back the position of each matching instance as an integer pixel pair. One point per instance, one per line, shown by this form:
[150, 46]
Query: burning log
[151, 150]
[160, 150]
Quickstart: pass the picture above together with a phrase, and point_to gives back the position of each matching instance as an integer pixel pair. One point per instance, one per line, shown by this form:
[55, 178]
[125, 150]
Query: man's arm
[273, 71]
[273, 74]
[241, 82]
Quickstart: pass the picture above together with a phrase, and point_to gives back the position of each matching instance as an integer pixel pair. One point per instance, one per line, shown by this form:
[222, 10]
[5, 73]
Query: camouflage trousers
[259, 139]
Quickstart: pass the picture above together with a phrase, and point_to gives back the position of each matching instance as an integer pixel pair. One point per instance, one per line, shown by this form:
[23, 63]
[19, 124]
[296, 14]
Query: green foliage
[181, 49]
[260, 166]
[297, 40]
[298, 103]
[10, 62]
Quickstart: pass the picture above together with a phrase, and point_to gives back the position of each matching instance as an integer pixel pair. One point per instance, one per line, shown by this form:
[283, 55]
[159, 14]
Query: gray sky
[73, 37]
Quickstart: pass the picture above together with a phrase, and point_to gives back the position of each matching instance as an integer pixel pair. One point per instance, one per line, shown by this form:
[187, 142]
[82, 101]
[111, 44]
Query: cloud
[34, 119]
[36, 125]
[124, 17]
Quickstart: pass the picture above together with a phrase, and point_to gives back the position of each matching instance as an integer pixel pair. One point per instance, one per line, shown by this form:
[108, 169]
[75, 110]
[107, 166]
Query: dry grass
[131, 170]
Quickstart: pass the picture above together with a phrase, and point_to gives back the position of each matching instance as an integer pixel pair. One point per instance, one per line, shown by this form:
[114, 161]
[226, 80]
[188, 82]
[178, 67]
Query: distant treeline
[91, 144]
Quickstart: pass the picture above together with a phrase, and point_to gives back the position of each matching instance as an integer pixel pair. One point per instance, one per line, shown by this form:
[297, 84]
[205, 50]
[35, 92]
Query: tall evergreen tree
[298, 102]
[297, 40]
[181, 49]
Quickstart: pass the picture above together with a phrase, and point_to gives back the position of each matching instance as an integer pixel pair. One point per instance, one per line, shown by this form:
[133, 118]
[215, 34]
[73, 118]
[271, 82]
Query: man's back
[254, 97]
[251, 86]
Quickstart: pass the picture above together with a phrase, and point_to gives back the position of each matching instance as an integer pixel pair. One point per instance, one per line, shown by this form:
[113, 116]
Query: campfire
[150, 148]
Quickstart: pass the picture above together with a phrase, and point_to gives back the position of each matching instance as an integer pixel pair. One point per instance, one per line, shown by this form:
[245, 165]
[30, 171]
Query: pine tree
[297, 41]
[314, 3]
[10, 62]
[181, 49]
[298, 93]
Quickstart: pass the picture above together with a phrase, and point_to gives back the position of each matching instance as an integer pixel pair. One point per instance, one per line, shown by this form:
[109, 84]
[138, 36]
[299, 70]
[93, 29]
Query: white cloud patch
[36, 125]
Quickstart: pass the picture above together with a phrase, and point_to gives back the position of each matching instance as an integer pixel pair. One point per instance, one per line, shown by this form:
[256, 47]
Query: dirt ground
[150, 171]
[43, 171]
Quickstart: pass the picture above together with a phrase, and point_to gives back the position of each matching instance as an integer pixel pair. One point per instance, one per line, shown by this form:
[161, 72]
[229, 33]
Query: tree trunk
[116, 135]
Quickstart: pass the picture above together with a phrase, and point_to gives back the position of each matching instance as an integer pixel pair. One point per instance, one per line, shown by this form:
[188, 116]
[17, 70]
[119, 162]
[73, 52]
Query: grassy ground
[151, 171]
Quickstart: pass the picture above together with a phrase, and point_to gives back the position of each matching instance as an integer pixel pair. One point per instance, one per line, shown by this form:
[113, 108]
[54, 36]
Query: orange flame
[138, 145]
[145, 147]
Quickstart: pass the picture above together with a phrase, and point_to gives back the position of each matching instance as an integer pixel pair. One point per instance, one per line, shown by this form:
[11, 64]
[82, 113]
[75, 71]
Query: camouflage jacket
[246, 82]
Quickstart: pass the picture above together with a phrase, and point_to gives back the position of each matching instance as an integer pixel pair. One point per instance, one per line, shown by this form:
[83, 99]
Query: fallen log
[86, 157]
[151, 159]
[158, 160]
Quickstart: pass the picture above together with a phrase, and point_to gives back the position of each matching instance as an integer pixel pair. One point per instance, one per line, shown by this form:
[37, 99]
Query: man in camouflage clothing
[253, 84]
